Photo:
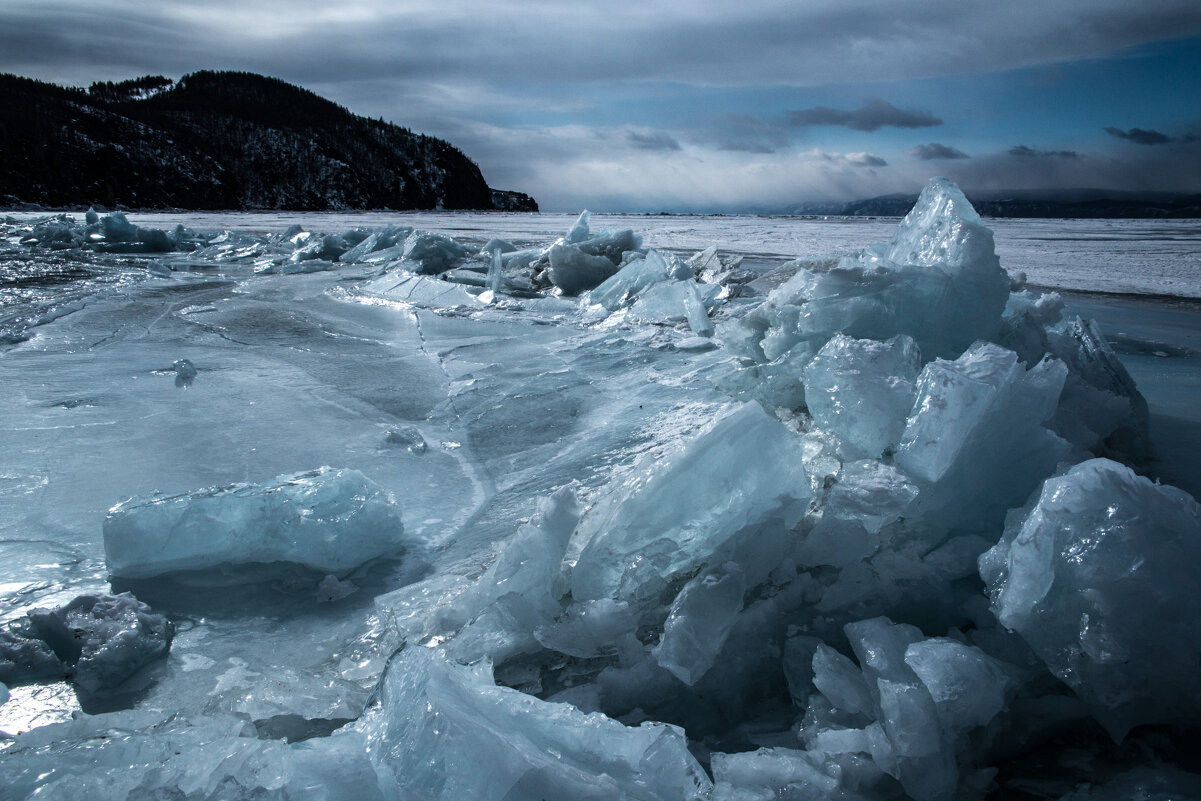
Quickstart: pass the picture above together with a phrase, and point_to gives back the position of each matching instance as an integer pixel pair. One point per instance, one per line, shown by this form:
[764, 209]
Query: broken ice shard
[979, 433]
[862, 390]
[325, 519]
[728, 495]
[434, 252]
[939, 281]
[636, 277]
[99, 640]
[1096, 577]
[444, 732]
[700, 620]
[574, 271]
[909, 704]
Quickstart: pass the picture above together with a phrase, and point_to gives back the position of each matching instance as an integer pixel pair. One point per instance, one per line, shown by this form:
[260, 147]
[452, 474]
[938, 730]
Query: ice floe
[876, 535]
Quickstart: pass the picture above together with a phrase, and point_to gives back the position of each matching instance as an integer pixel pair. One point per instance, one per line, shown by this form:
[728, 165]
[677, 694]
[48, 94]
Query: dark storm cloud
[1023, 152]
[505, 42]
[1139, 136]
[654, 140]
[743, 133]
[732, 146]
[873, 115]
[538, 90]
[934, 151]
[1142, 169]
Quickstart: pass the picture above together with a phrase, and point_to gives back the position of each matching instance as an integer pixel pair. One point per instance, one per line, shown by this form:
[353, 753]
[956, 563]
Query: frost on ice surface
[99, 640]
[327, 520]
[1094, 577]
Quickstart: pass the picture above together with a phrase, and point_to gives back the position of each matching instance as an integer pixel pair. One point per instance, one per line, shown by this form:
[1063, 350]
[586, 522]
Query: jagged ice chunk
[326, 519]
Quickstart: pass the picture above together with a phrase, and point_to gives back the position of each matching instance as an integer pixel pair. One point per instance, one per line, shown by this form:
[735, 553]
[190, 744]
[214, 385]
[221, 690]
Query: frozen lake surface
[470, 410]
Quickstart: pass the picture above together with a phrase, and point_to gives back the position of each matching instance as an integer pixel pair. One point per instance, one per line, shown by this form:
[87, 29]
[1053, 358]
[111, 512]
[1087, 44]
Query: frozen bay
[468, 412]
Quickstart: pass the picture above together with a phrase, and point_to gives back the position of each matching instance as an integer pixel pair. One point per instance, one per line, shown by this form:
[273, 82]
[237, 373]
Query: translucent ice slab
[326, 519]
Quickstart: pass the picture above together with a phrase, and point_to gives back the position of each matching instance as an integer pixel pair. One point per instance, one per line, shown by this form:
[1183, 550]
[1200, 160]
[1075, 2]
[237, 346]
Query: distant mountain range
[1065, 204]
[221, 140]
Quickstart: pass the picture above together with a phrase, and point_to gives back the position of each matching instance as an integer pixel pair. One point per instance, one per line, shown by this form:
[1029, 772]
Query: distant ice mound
[328, 520]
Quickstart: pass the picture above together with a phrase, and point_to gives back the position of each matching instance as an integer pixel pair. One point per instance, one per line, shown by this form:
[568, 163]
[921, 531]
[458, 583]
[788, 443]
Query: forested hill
[222, 140]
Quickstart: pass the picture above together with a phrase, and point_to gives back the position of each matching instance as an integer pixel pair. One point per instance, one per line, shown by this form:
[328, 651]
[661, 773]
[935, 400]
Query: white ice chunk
[866, 497]
[495, 272]
[919, 755]
[496, 245]
[591, 628]
[636, 277]
[837, 677]
[185, 372]
[939, 282]
[613, 245]
[728, 494]
[773, 773]
[871, 492]
[967, 685]
[675, 301]
[407, 437]
[376, 241]
[943, 230]
[1101, 409]
[574, 271]
[776, 383]
[863, 390]
[1095, 578]
[520, 590]
[320, 248]
[977, 432]
[446, 732]
[434, 252]
[579, 229]
[699, 622]
[325, 519]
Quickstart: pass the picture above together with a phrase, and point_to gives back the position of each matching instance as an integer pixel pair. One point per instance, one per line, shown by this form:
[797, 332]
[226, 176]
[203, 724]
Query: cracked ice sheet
[536, 405]
[288, 379]
[292, 376]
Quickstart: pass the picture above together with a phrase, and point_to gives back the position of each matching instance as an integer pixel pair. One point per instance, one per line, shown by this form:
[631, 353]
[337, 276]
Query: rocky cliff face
[222, 140]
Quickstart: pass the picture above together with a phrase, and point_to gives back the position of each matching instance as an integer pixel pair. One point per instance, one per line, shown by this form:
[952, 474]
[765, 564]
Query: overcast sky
[699, 105]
